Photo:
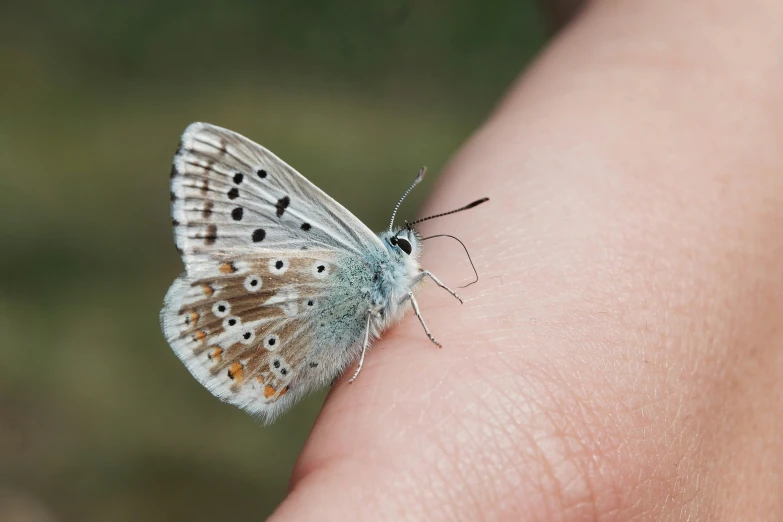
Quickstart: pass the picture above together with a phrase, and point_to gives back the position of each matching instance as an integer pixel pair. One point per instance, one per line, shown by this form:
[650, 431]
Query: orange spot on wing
[191, 319]
[270, 391]
[215, 353]
[227, 268]
[208, 290]
[235, 372]
[200, 336]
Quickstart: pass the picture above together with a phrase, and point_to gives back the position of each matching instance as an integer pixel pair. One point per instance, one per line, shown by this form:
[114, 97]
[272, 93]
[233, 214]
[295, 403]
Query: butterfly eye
[404, 245]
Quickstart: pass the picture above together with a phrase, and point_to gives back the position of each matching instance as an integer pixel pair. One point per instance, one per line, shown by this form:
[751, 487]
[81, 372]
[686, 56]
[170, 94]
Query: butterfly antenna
[416, 181]
[466, 207]
[466, 253]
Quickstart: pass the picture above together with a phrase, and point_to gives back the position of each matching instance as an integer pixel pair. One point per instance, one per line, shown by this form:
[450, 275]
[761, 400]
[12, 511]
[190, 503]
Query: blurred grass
[98, 419]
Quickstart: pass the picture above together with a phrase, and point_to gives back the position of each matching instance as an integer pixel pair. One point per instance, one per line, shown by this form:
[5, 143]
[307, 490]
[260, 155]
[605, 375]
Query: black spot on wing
[282, 204]
[237, 213]
[211, 236]
[233, 193]
[258, 235]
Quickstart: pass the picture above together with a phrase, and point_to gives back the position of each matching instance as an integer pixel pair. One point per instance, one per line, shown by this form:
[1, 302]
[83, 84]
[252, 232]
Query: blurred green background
[99, 421]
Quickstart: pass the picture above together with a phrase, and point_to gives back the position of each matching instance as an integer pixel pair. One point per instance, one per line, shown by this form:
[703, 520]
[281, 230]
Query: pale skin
[622, 356]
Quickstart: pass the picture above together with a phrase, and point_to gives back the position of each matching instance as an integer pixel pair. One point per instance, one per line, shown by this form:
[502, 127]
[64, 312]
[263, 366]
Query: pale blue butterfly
[283, 287]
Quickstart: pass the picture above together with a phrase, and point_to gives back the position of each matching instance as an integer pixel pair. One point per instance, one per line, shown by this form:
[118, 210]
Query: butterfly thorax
[395, 275]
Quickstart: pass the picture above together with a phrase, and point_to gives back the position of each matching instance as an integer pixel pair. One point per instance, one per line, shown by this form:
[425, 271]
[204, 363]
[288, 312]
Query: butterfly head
[404, 242]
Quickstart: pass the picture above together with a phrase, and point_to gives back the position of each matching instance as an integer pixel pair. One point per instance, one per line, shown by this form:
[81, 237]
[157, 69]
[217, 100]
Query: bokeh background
[98, 419]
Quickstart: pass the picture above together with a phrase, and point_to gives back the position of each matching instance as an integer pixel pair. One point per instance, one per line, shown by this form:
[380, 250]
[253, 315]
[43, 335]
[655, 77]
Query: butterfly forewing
[231, 193]
[261, 247]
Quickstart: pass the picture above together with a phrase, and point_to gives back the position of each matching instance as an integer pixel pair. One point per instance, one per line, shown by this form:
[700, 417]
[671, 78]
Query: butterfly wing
[245, 328]
[260, 244]
[229, 193]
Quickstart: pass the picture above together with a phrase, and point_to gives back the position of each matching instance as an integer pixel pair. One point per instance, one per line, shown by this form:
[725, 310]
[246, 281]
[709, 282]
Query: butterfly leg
[421, 319]
[364, 348]
[427, 273]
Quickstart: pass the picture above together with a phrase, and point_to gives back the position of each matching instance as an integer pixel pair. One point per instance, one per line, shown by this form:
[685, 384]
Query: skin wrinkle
[543, 463]
[437, 497]
[537, 464]
[574, 400]
[454, 498]
[582, 484]
[573, 425]
[554, 461]
[662, 473]
[585, 455]
[562, 427]
[476, 467]
[478, 470]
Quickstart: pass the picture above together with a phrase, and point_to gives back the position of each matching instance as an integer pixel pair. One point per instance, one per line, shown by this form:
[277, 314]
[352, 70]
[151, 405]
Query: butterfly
[283, 287]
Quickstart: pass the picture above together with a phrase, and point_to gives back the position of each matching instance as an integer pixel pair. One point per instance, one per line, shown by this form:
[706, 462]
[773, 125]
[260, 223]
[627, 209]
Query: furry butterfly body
[283, 287]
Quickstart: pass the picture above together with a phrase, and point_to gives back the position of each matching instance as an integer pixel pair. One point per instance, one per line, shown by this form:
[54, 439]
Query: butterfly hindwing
[229, 193]
[243, 326]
